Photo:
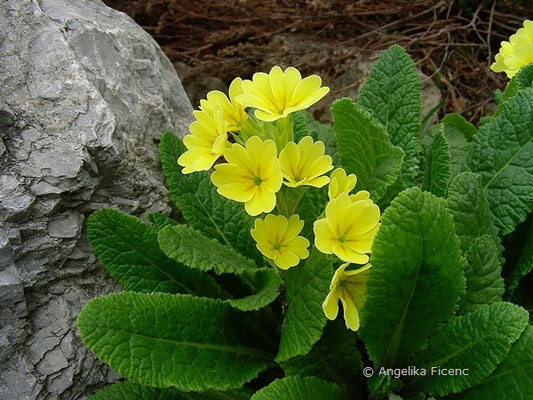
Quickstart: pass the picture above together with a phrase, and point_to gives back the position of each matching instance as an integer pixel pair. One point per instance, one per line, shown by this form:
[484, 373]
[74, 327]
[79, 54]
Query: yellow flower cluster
[515, 53]
[254, 175]
[273, 96]
[255, 168]
[258, 165]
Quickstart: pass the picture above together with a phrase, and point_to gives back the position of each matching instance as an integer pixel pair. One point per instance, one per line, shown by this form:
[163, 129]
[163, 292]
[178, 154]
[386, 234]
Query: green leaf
[458, 133]
[364, 148]
[477, 342]
[430, 136]
[300, 127]
[470, 209]
[483, 273]
[458, 146]
[325, 133]
[202, 207]
[391, 93]
[416, 277]
[333, 358]
[521, 80]
[391, 193]
[130, 252]
[134, 391]
[184, 244]
[168, 340]
[310, 207]
[459, 124]
[296, 388]
[190, 247]
[382, 384]
[520, 249]
[306, 287]
[512, 380]
[501, 154]
[266, 283]
[437, 171]
[159, 221]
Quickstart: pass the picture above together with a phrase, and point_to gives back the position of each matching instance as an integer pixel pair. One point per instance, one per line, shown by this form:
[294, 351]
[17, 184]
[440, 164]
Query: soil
[452, 42]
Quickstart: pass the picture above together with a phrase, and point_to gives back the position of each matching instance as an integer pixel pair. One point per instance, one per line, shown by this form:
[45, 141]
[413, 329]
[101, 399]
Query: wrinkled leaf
[512, 380]
[391, 93]
[470, 209]
[130, 252]
[166, 340]
[437, 171]
[306, 287]
[501, 154]
[416, 277]
[364, 149]
[477, 341]
[295, 387]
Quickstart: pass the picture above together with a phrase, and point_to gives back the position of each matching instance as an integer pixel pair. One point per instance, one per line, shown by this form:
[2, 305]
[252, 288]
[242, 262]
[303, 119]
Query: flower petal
[238, 191]
[286, 259]
[367, 220]
[331, 305]
[294, 226]
[351, 316]
[348, 254]
[325, 238]
[261, 202]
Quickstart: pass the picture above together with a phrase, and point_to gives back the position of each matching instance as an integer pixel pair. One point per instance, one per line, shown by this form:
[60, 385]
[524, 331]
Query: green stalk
[287, 199]
[285, 132]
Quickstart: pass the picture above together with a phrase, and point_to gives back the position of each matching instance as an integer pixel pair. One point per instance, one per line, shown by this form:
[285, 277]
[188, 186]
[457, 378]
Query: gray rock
[66, 225]
[85, 94]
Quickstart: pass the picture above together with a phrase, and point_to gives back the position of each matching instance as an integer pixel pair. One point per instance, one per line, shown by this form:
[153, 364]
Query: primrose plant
[237, 295]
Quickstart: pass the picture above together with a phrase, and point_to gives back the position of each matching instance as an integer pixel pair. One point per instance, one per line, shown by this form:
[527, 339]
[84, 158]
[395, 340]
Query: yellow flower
[340, 183]
[277, 238]
[252, 175]
[348, 229]
[207, 141]
[233, 112]
[349, 287]
[277, 94]
[305, 163]
[515, 53]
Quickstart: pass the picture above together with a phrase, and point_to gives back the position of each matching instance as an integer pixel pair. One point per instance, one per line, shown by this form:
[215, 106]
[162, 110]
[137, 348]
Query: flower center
[343, 283]
[257, 180]
[276, 246]
[341, 239]
[297, 179]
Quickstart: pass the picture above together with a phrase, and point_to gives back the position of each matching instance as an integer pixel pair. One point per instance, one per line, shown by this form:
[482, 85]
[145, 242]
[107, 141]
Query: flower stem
[287, 199]
[285, 132]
